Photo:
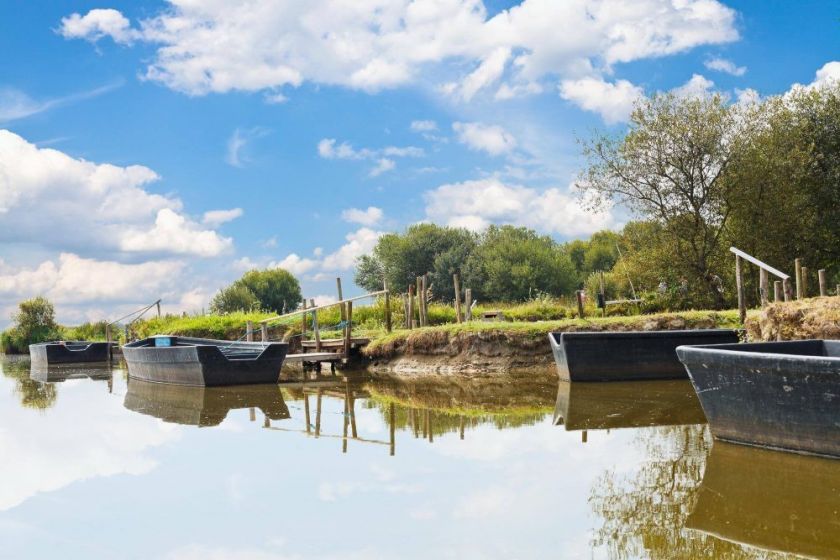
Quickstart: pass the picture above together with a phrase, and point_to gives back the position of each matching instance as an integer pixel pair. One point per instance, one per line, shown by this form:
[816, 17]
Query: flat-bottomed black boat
[204, 362]
[69, 352]
[783, 395]
[627, 356]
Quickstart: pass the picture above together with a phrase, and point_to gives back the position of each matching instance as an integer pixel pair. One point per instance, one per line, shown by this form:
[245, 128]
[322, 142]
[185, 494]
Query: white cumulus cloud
[205, 47]
[696, 86]
[369, 217]
[613, 101]
[91, 206]
[477, 136]
[725, 65]
[479, 203]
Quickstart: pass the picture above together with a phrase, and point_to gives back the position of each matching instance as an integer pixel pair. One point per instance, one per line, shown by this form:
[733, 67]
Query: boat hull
[75, 352]
[783, 395]
[203, 363]
[628, 356]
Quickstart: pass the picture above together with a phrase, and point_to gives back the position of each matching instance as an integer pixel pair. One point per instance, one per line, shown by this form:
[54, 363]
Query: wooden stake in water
[249, 331]
[579, 297]
[348, 331]
[821, 279]
[340, 297]
[777, 290]
[264, 332]
[315, 327]
[763, 286]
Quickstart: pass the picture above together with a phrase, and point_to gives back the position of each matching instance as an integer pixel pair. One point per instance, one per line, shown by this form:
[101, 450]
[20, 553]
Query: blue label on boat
[163, 341]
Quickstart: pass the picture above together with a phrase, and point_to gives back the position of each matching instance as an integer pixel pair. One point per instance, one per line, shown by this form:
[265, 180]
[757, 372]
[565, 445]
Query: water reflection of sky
[87, 478]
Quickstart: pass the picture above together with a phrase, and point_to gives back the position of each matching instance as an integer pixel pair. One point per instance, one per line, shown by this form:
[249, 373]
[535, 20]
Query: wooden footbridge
[318, 351]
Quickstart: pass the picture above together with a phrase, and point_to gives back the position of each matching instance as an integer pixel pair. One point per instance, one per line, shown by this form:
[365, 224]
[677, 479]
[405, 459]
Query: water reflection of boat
[594, 406]
[770, 500]
[202, 406]
[69, 352]
[58, 374]
[205, 362]
[774, 394]
[627, 356]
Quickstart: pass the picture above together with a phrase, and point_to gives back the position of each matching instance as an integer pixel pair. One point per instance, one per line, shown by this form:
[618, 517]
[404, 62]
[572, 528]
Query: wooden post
[315, 327]
[603, 295]
[763, 286]
[739, 283]
[583, 436]
[426, 299]
[158, 308]
[788, 291]
[306, 412]
[346, 423]
[797, 264]
[804, 281]
[303, 322]
[392, 420]
[340, 297]
[579, 297]
[387, 309]
[108, 340]
[468, 304]
[410, 319]
[318, 412]
[406, 311]
[838, 289]
[264, 332]
[348, 331]
[420, 319]
[457, 282]
[821, 278]
[777, 290]
[252, 414]
[249, 331]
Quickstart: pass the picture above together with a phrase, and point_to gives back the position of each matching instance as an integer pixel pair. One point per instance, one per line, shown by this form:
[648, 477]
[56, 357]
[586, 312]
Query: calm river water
[101, 468]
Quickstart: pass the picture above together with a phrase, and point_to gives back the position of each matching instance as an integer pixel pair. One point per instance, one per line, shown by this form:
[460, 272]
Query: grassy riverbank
[435, 339]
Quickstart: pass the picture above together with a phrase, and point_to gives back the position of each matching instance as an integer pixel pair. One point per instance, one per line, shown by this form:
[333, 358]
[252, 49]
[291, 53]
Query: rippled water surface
[93, 466]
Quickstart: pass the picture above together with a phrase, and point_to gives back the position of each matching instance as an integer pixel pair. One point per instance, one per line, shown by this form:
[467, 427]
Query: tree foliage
[272, 289]
[34, 322]
[514, 264]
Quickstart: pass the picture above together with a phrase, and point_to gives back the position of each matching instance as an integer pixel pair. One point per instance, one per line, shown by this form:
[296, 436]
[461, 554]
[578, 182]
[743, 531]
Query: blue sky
[308, 129]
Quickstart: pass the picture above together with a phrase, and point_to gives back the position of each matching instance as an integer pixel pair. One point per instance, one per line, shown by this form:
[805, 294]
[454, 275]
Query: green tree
[34, 322]
[513, 263]
[400, 258]
[275, 289]
[670, 168]
[235, 297]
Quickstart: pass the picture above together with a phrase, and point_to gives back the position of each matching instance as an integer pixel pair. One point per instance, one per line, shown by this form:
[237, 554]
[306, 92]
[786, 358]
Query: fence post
[158, 308]
[821, 278]
[739, 282]
[804, 281]
[424, 300]
[468, 303]
[457, 282]
[348, 331]
[315, 327]
[797, 265]
[763, 282]
[340, 297]
[777, 290]
[787, 289]
[303, 322]
[579, 296]
[603, 293]
[387, 309]
[410, 319]
[264, 332]
[420, 318]
[249, 331]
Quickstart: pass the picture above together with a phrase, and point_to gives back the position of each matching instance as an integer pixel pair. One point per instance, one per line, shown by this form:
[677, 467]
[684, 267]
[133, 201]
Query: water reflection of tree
[32, 394]
[644, 514]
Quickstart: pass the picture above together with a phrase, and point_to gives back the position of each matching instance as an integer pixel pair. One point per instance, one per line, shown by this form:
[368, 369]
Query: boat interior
[232, 350]
[815, 348]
